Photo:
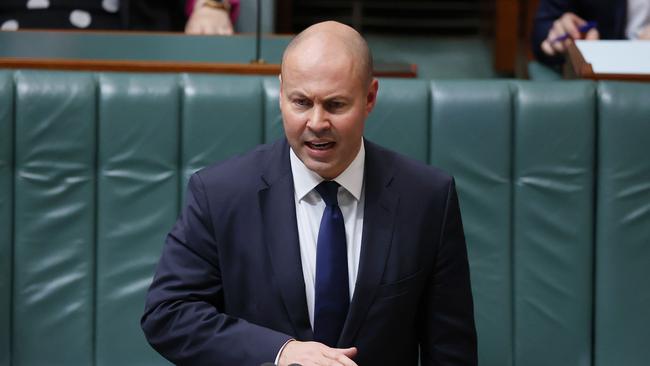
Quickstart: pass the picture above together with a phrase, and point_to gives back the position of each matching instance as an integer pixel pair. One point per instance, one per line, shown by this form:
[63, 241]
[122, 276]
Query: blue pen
[582, 29]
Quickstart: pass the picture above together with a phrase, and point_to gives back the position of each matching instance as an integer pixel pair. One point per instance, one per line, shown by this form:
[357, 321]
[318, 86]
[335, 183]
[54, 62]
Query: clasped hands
[314, 353]
[209, 21]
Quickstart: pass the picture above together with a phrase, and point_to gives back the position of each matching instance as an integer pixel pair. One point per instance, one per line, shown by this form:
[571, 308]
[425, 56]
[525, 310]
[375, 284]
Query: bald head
[329, 40]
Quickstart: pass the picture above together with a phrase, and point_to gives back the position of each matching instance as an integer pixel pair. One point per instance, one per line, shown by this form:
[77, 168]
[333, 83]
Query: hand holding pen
[566, 28]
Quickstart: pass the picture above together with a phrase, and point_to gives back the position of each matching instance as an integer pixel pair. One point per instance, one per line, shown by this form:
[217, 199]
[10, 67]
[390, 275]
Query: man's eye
[301, 102]
[334, 105]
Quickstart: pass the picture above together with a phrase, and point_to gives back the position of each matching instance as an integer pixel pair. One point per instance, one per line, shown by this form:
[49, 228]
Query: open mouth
[320, 145]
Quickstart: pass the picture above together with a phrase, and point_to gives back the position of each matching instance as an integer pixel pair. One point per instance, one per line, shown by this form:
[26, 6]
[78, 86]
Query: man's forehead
[311, 86]
[319, 62]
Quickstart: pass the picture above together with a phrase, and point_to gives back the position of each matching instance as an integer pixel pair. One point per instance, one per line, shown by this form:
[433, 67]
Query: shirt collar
[305, 180]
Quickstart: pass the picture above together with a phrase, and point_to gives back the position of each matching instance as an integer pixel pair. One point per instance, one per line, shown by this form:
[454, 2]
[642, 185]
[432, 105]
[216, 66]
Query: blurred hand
[206, 20]
[568, 23]
[314, 353]
[644, 33]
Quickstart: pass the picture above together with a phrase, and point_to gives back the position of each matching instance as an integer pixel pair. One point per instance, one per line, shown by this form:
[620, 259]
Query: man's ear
[371, 97]
[280, 98]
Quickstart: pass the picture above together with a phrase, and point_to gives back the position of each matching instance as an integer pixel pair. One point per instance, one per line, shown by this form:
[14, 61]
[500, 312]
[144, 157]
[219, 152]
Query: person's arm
[447, 333]
[184, 319]
[553, 19]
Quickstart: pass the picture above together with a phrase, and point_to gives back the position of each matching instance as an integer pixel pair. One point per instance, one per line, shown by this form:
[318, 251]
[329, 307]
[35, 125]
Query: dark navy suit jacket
[611, 16]
[229, 287]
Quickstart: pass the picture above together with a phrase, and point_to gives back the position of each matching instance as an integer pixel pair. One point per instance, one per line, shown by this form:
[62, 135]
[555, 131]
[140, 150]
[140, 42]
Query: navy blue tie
[332, 287]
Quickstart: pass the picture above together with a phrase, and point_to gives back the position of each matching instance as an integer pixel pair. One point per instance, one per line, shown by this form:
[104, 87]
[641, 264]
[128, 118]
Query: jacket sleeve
[184, 319]
[448, 334]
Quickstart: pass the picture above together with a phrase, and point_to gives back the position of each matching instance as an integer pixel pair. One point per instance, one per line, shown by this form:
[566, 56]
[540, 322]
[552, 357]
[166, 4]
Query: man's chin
[324, 169]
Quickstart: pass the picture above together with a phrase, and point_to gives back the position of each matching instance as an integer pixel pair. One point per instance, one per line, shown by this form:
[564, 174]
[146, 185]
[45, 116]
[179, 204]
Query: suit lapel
[281, 233]
[379, 217]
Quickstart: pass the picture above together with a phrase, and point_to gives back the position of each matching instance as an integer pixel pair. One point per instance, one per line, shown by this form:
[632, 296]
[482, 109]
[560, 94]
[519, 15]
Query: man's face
[324, 104]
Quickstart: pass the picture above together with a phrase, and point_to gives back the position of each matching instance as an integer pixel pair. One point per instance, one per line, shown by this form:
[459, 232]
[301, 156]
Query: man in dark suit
[322, 248]
[615, 19]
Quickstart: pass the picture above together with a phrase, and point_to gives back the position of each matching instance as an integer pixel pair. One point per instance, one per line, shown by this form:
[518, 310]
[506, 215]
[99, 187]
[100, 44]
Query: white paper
[617, 57]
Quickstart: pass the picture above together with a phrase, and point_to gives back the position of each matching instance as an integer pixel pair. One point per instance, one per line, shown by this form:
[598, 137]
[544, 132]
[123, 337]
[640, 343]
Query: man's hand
[206, 20]
[568, 23]
[314, 353]
[644, 33]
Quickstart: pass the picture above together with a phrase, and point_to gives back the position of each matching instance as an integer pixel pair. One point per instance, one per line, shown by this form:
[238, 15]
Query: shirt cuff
[277, 357]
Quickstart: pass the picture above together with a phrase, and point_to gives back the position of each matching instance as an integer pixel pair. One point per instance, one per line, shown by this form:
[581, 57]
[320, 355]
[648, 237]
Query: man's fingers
[339, 357]
[314, 353]
[350, 352]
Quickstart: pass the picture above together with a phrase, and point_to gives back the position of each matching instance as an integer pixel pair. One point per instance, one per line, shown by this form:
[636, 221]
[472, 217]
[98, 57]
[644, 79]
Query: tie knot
[328, 190]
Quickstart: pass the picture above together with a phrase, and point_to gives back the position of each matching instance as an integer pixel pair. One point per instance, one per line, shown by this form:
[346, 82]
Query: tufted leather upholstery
[552, 177]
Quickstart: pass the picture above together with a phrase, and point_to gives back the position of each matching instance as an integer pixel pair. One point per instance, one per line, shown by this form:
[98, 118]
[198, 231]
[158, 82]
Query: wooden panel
[506, 35]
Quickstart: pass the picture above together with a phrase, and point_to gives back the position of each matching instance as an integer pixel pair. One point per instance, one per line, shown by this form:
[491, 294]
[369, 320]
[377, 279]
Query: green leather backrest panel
[400, 120]
[553, 222]
[622, 324]
[54, 219]
[138, 200]
[273, 129]
[222, 117]
[474, 145]
[6, 211]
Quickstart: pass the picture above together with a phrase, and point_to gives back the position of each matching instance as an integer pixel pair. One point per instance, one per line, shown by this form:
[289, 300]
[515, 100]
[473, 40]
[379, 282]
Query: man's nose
[318, 121]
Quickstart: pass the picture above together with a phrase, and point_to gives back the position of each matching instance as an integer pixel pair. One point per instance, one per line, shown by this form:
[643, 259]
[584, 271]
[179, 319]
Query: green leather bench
[553, 178]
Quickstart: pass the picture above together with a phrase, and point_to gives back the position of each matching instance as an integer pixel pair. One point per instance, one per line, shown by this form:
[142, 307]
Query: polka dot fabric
[59, 14]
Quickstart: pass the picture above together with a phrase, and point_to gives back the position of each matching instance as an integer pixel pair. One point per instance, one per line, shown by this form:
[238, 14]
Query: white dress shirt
[309, 211]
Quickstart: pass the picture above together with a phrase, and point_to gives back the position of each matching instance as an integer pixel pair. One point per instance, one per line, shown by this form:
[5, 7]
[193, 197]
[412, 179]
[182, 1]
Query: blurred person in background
[194, 16]
[615, 19]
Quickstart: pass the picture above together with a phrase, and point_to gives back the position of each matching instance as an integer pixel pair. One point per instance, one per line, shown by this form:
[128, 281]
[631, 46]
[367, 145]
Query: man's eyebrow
[299, 94]
[336, 97]
[296, 93]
